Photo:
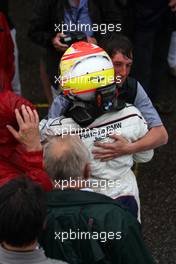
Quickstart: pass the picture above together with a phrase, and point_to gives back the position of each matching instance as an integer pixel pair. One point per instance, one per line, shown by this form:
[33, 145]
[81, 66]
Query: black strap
[128, 90]
[83, 115]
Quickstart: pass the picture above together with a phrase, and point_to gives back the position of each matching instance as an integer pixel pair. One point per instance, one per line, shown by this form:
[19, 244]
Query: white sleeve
[59, 126]
[143, 156]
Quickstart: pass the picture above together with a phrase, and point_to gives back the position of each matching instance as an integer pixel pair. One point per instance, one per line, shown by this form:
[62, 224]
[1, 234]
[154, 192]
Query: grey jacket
[34, 257]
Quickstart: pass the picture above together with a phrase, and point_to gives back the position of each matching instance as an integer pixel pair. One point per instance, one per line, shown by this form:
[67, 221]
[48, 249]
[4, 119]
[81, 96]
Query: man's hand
[108, 151]
[28, 134]
[172, 4]
[155, 137]
[56, 41]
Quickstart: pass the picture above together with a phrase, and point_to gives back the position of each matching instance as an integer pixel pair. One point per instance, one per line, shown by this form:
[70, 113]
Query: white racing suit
[117, 178]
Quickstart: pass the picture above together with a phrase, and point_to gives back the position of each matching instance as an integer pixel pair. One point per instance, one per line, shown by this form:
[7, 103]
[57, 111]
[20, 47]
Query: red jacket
[6, 55]
[5, 82]
[14, 160]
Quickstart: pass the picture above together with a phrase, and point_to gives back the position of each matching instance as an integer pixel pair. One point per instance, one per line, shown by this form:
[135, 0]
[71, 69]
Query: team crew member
[95, 113]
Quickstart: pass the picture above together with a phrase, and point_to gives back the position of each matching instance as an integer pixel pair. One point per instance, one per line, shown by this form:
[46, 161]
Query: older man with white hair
[81, 224]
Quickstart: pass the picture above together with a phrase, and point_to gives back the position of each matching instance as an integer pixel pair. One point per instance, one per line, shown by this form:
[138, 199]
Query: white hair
[65, 157]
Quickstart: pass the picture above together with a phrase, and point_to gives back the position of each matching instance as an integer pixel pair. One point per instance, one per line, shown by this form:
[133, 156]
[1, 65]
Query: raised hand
[28, 134]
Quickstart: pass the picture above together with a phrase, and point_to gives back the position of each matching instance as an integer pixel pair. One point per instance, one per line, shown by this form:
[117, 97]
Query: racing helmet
[87, 73]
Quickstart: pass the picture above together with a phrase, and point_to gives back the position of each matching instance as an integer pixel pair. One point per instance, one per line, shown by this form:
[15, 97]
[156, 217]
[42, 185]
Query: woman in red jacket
[20, 148]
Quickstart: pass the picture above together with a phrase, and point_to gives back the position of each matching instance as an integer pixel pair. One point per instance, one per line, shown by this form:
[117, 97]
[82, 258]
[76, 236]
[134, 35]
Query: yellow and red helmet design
[84, 68]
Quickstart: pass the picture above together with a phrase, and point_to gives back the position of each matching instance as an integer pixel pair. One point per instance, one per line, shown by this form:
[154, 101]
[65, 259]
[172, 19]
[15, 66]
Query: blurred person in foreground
[22, 217]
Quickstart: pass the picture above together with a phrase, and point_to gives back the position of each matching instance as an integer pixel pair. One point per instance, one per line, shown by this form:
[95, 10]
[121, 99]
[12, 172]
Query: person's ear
[87, 171]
